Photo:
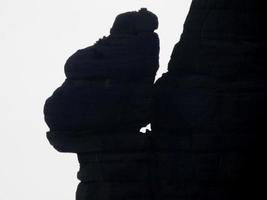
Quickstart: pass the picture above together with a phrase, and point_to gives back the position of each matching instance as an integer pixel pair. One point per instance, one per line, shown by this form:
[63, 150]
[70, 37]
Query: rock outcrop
[207, 112]
[99, 109]
[210, 107]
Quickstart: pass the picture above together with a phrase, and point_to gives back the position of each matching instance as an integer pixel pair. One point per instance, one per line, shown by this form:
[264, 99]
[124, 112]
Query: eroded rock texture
[99, 109]
[210, 108]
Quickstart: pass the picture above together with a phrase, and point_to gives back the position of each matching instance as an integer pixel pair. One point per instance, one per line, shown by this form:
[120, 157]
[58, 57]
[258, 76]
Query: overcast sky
[36, 38]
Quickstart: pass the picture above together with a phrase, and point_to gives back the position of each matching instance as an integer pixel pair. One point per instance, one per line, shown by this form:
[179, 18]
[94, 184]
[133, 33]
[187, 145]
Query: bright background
[36, 38]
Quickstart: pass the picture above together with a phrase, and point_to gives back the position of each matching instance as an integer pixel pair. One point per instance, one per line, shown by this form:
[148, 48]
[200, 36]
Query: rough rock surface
[210, 107]
[99, 109]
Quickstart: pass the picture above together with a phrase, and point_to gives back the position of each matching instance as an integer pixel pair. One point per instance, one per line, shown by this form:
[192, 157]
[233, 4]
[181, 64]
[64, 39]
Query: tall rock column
[99, 109]
[210, 108]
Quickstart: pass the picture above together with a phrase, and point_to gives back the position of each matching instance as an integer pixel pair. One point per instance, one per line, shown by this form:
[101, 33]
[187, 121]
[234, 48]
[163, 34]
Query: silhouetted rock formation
[210, 108]
[99, 109]
[208, 115]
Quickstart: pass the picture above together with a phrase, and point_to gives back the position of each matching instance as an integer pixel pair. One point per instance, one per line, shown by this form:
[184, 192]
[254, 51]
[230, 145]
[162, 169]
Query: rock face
[210, 107]
[99, 109]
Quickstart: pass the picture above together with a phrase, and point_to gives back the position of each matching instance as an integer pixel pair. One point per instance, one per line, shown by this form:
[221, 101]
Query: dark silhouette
[207, 112]
[210, 108]
[100, 108]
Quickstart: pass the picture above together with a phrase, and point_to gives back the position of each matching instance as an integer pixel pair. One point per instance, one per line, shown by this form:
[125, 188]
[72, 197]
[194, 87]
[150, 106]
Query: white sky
[36, 38]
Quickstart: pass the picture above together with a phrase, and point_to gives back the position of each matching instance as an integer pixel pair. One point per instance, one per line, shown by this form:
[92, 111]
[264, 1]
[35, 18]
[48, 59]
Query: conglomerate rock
[210, 107]
[99, 109]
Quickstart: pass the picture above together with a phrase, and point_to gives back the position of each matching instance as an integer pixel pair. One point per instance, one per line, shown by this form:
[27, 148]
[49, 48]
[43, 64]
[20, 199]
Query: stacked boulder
[99, 109]
[210, 107]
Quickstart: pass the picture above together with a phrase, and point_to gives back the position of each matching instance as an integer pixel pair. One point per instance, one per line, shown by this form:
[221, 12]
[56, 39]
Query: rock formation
[210, 107]
[207, 112]
[99, 109]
